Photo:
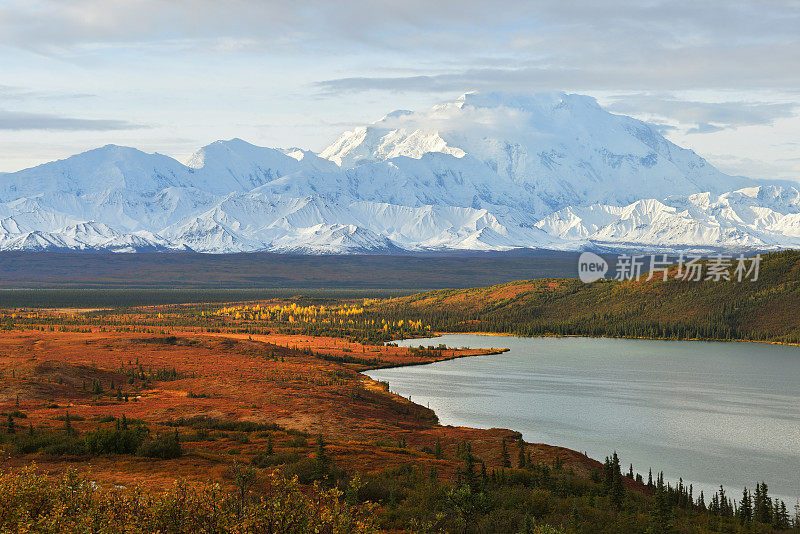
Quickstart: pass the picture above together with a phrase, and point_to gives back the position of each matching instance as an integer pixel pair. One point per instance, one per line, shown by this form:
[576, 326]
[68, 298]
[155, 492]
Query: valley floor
[201, 394]
[262, 380]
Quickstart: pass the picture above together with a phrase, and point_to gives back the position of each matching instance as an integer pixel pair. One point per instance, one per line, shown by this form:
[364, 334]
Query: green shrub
[51, 442]
[166, 445]
[269, 460]
[71, 505]
[297, 441]
[69, 418]
[115, 441]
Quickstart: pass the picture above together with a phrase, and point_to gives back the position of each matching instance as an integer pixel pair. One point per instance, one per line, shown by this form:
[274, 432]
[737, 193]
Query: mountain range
[487, 172]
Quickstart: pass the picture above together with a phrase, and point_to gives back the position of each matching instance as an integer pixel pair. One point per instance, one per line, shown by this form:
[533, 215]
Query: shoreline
[508, 334]
[489, 352]
[698, 483]
[495, 351]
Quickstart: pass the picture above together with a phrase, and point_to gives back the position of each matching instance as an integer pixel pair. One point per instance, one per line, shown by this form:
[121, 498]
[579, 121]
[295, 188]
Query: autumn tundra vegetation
[254, 416]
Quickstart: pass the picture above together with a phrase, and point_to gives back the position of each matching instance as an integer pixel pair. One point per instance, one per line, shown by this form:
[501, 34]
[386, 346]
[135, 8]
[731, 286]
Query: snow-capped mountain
[737, 219]
[486, 172]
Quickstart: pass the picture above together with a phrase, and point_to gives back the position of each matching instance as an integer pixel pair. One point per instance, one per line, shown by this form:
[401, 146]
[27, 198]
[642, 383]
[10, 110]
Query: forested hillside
[767, 309]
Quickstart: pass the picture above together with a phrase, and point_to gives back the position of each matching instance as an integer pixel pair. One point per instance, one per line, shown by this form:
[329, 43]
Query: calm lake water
[712, 413]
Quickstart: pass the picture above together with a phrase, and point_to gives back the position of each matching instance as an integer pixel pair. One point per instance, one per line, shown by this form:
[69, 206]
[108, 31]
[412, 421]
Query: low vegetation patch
[256, 504]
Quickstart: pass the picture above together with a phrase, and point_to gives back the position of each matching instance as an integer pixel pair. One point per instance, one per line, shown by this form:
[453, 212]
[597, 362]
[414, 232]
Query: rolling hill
[761, 310]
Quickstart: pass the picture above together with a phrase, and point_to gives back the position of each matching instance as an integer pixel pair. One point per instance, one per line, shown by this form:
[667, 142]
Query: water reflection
[712, 413]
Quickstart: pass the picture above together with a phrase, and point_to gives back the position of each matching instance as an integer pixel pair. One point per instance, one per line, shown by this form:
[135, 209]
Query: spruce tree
[617, 489]
[722, 502]
[68, 424]
[745, 507]
[764, 504]
[269, 451]
[321, 460]
[758, 502]
[713, 507]
[12, 429]
[780, 517]
[506, 459]
[783, 514]
[662, 511]
[437, 449]
[608, 476]
[469, 467]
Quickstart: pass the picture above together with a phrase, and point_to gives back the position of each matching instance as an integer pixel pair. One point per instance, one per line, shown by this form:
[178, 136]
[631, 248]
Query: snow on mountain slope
[261, 221]
[87, 236]
[332, 239]
[486, 172]
[108, 168]
[29, 214]
[380, 141]
[561, 149]
[756, 217]
[226, 166]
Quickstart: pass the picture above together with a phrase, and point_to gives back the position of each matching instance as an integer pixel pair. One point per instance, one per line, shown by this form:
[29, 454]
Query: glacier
[487, 172]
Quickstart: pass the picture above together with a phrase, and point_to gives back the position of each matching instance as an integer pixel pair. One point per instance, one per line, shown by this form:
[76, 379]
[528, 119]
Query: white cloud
[17, 120]
[786, 169]
[205, 69]
[702, 117]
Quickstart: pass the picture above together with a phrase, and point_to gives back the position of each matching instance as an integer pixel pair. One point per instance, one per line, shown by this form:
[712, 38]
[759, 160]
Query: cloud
[50, 26]
[18, 120]
[663, 128]
[450, 118]
[725, 114]
[220, 65]
[450, 44]
[704, 128]
[8, 92]
[615, 45]
[394, 84]
[782, 169]
[702, 117]
[440, 47]
[685, 69]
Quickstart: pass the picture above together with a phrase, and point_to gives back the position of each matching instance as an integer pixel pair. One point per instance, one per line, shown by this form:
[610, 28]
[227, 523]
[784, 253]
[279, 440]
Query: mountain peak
[218, 148]
[526, 101]
[487, 171]
[232, 144]
[395, 115]
[563, 146]
[112, 150]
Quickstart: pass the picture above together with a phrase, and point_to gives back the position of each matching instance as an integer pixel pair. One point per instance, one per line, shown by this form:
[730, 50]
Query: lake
[712, 413]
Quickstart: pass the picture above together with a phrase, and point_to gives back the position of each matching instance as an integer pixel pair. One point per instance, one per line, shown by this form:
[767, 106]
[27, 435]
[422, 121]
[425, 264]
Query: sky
[719, 77]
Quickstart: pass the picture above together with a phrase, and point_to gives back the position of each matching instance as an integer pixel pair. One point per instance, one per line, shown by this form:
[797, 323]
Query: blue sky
[720, 77]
